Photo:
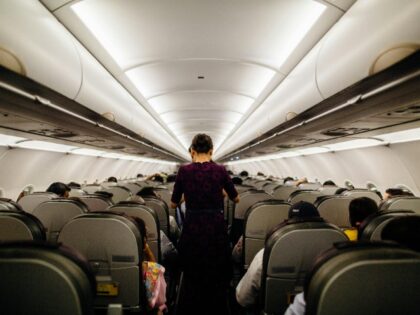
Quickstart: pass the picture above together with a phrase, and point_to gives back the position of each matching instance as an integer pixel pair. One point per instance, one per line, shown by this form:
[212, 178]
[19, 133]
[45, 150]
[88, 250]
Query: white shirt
[298, 307]
[249, 287]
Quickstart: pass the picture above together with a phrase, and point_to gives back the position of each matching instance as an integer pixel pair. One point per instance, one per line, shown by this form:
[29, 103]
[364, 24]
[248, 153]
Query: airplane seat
[44, 279]
[31, 201]
[288, 256]
[371, 228]
[113, 246]
[334, 209]
[20, 226]
[364, 278]
[162, 211]
[246, 200]
[259, 220]
[269, 188]
[356, 193]
[74, 192]
[304, 195]
[96, 202]
[9, 205]
[119, 193]
[402, 203]
[166, 195]
[133, 187]
[150, 218]
[283, 192]
[54, 214]
[310, 186]
[91, 188]
[328, 189]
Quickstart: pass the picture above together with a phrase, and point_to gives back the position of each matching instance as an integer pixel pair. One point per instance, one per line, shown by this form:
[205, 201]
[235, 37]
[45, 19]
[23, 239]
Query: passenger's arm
[178, 190]
[229, 188]
[248, 289]
[297, 307]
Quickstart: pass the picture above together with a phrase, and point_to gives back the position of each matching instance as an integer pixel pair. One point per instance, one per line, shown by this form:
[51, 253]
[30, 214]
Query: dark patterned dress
[203, 246]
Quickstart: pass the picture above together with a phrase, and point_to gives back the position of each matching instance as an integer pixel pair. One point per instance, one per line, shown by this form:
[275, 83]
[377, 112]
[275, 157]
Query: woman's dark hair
[360, 209]
[147, 192]
[112, 179]
[58, 188]
[202, 143]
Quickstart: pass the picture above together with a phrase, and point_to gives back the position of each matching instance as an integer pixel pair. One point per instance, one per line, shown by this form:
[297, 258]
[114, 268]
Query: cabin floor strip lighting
[384, 139]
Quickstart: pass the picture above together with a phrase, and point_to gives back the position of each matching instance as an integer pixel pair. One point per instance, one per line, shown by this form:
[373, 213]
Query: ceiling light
[401, 136]
[354, 144]
[45, 146]
[6, 140]
[313, 150]
[90, 152]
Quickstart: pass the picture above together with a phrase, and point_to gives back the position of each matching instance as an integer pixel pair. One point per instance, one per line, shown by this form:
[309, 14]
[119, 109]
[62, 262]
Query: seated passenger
[153, 273]
[396, 192]
[27, 190]
[112, 179]
[303, 180]
[237, 180]
[359, 209]
[74, 185]
[60, 189]
[288, 179]
[249, 287]
[244, 174]
[329, 183]
[156, 178]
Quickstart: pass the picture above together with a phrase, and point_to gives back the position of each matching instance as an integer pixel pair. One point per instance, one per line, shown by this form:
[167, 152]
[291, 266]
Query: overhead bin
[371, 32]
[31, 36]
[294, 95]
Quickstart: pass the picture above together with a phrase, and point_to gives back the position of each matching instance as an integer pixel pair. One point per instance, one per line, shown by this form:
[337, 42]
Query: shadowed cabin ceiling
[199, 66]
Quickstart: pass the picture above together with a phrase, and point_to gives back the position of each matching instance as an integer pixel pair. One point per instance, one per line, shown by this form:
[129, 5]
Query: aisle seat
[9, 205]
[357, 193]
[364, 278]
[54, 214]
[261, 218]
[119, 193]
[288, 256]
[41, 279]
[304, 195]
[162, 211]
[113, 246]
[91, 188]
[283, 192]
[335, 209]
[96, 202]
[402, 203]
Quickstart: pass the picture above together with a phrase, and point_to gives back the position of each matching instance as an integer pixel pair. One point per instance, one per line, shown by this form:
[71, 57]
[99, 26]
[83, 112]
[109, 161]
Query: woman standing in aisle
[203, 246]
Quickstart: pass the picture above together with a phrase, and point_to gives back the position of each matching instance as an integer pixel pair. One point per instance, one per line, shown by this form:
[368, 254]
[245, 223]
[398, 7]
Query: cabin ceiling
[198, 66]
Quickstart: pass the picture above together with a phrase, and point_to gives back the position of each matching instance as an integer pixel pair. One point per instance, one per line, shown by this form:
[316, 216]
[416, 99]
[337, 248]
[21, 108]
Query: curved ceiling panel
[181, 116]
[167, 77]
[213, 100]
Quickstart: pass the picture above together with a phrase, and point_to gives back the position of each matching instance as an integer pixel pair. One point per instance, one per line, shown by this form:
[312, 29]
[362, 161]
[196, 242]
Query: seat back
[9, 205]
[74, 192]
[166, 195]
[247, 199]
[283, 192]
[371, 228]
[113, 246]
[261, 218]
[269, 188]
[161, 210]
[119, 193]
[402, 203]
[30, 202]
[91, 188]
[384, 276]
[334, 209]
[310, 186]
[149, 218]
[328, 189]
[44, 280]
[356, 193]
[20, 226]
[288, 256]
[54, 214]
[96, 202]
[304, 195]
[133, 187]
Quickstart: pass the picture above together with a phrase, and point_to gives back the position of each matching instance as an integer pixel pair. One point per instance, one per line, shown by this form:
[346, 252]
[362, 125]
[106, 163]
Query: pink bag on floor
[155, 284]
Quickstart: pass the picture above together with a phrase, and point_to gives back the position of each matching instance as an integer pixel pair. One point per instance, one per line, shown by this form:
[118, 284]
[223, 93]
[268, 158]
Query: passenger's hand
[173, 205]
[236, 200]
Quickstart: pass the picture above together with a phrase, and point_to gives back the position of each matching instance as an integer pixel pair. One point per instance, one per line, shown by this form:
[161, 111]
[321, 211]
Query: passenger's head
[360, 209]
[112, 179]
[202, 144]
[404, 230]
[260, 174]
[139, 175]
[395, 192]
[74, 185]
[158, 178]
[243, 174]
[59, 189]
[237, 180]
[287, 179]
[328, 183]
[171, 178]
[340, 190]
[303, 209]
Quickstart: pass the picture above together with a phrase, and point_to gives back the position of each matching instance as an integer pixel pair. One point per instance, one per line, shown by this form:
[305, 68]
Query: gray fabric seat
[304, 195]
[288, 255]
[20, 226]
[150, 219]
[9, 205]
[74, 192]
[283, 192]
[269, 188]
[92, 188]
[371, 228]
[335, 209]
[162, 211]
[356, 193]
[113, 246]
[247, 199]
[261, 218]
[54, 214]
[44, 280]
[96, 202]
[166, 195]
[402, 203]
[133, 187]
[328, 189]
[119, 193]
[30, 202]
[364, 279]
